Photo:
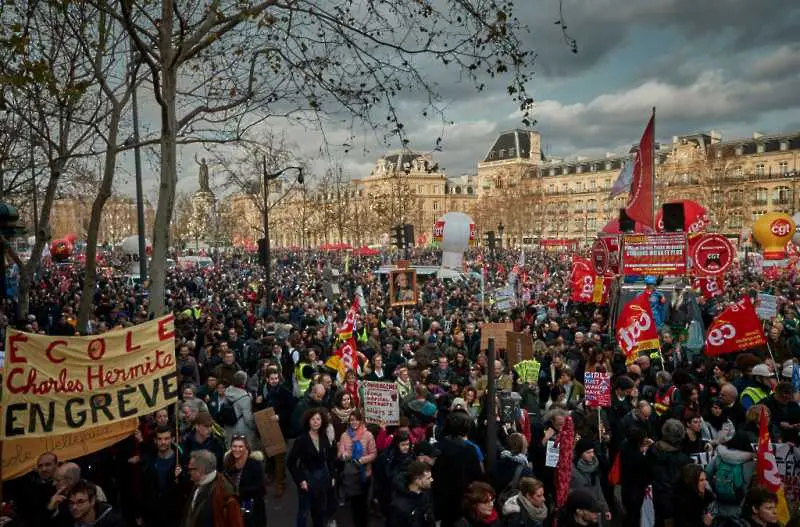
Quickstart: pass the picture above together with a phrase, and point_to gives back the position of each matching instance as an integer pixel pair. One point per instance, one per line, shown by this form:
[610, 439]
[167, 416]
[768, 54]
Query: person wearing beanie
[581, 509]
[665, 460]
[587, 475]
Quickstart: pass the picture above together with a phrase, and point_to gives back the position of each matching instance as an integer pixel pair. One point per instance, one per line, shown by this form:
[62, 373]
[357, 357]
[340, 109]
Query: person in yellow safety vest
[303, 375]
[362, 335]
[765, 381]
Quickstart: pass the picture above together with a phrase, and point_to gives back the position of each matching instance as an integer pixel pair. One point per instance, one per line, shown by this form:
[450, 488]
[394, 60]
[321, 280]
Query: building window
[608, 165]
[593, 167]
[760, 148]
[591, 205]
[579, 206]
[758, 213]
[592, 224]
[552, 172]
[760, 169]
[735, 220]
[435, 205]
[784, 145]
[469, 190]
[579, 169]
[512, 152]
[783, 168]
[783, 195]
[593, 185]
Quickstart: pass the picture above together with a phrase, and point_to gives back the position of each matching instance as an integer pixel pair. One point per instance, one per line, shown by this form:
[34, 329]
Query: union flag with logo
[636, 328]
[767, 474]
[735, 329]
[587, 286]
[709, 287]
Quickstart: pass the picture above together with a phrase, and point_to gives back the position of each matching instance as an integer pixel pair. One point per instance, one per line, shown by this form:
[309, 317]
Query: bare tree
[337, 201]
[228, 65]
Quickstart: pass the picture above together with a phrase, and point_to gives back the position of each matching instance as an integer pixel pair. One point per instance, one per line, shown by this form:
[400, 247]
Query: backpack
[227, 413]
[511, 489]
[729, 482]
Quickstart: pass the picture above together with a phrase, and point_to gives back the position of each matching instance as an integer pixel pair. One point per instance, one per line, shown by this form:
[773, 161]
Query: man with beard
[277, 397]
[580, 510]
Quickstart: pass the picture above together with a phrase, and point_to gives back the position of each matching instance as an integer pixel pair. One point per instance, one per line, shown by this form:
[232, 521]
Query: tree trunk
[87, 296]
[166, 191]
[29, 269]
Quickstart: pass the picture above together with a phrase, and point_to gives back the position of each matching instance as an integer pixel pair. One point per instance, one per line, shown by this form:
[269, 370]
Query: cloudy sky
[727, 65]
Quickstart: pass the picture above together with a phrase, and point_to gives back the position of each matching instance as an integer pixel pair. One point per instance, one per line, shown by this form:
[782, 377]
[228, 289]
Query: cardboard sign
[497, 330]
[20, 455]
[519, 347]
[381, 403]
[598, 389]
[55, 385]
[270, 431]
[661, 254]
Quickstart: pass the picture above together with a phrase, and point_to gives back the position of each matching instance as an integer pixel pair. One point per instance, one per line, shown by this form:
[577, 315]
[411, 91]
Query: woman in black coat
[311, 463]
[245, 470]
[693, 498]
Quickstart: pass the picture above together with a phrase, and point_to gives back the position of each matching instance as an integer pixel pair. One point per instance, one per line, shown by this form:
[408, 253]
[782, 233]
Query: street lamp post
[267, 263]
[500, 229]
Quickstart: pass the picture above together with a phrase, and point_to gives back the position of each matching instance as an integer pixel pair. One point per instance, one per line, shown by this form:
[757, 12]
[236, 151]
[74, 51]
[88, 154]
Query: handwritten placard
[381, 403]
[598, 389]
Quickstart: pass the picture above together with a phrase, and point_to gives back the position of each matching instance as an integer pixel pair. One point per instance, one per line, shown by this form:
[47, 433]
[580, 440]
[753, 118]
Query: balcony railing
[759, 201]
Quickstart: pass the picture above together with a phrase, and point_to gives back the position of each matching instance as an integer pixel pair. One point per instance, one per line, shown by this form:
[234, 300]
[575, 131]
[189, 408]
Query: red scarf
[490, 519]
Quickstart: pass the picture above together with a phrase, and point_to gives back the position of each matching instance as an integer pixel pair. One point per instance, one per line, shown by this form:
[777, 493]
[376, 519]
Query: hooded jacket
[588, 476]
[666, 462]
[734, 457]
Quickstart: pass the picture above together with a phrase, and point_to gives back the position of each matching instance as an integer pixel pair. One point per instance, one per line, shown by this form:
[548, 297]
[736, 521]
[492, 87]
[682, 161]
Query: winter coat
[216, 505]
[454, 470]
[506, 468]
[517, 516]
[588, 476]
[190, 444]
[245, 422]
[162, 505]
[251, 490]
[666, 462]
[690, 506]
[734, 457]
[315, 467]
[106, 516]
[410, 509]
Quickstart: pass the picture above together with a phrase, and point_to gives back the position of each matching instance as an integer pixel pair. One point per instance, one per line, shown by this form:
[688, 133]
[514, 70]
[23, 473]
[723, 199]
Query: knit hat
[583, 445]
[673, 432]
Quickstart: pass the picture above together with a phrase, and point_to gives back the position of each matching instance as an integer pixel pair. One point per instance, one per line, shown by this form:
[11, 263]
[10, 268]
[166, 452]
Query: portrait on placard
[403, 287]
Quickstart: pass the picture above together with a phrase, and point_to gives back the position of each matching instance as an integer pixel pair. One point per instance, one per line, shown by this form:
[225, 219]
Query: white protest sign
[553, 453]
[766, 306]
[381, 403]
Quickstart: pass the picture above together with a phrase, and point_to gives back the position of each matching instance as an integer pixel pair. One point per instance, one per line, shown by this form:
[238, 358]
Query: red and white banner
[709, 287]
[640, 197]
[661, 254]
[710, 254]
[636, 329]
[605, 254]
[735, 329]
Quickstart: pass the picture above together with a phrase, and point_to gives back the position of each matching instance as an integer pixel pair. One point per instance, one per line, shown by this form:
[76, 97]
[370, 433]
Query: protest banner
[56, 385]
[735, 329]
[381, 403]
[20, 455]
[766, 306]
[498, 331]
[528, 371]
[519, 347]
[597, 388]
[662, 254]
[270, 432]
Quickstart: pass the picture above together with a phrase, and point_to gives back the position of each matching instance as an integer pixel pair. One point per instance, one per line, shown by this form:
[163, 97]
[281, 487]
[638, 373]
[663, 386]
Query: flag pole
[653, 166]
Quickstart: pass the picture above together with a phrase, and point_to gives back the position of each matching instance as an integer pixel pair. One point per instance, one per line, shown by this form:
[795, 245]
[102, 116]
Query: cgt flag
[767, 474]
[636, 330]
[640, 197]
[735, 329]
[589, 287]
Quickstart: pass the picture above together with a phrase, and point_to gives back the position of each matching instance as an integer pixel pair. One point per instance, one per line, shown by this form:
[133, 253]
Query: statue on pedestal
[203, 174]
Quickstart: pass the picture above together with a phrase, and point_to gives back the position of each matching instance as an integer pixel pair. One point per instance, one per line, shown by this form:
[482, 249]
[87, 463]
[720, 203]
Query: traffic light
[262, 252]
[491, 240]
[397, 236]
[408, 231]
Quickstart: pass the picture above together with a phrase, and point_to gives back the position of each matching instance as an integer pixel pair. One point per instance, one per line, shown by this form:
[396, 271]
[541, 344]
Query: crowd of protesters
[203, 464]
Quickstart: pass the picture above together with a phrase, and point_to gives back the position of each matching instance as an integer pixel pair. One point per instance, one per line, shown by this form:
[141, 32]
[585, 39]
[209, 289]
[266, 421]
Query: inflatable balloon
[455, 232]
[772, 231]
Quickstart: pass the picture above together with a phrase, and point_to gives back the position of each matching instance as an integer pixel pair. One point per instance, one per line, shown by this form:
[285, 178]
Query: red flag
[767, 474]
[636, 329]
[566, 444]
[709, 287]
[587, 286]
[735, 329]
[348, 354]
[640, 197]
